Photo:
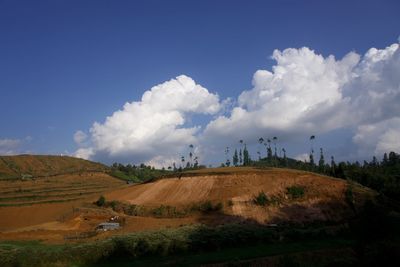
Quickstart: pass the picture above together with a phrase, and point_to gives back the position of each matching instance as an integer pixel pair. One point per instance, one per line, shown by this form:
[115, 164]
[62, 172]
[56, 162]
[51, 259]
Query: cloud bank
[153, 129]
[304, 93]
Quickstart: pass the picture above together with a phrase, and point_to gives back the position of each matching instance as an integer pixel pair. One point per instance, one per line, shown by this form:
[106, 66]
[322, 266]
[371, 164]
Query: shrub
[219, 206]
[295, 191]
[206, 206]
[101, 201]
[261, 199]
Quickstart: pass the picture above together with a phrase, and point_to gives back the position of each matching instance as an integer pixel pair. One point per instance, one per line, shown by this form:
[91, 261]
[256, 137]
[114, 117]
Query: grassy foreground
[187, 245]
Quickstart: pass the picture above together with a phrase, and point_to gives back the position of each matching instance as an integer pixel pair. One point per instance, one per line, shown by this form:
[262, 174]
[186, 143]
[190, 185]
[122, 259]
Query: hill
[289, 195]
[38, 189]
[33, 166]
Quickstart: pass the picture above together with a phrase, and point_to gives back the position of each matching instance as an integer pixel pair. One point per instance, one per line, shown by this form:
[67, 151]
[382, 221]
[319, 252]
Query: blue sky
[67, 64]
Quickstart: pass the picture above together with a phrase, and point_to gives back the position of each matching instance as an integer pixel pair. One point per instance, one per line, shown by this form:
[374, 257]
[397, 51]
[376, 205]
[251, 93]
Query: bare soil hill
[291, 195]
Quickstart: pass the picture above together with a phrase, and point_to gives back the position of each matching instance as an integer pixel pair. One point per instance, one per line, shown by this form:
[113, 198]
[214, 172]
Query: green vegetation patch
[261, 199]
[295, 191]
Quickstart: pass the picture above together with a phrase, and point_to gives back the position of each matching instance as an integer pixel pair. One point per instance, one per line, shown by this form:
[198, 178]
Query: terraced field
[28, 166]
[53, 189]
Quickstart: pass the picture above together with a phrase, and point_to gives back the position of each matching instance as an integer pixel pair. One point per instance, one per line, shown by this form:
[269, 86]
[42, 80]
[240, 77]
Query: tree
[312, 137]
[269, 150]
[240, 152]
[246, 156]
[321, 163]
[235, 159]
[261, 142]
[275, 139]
[228, 163]
[227, 155]
[385, 160]
[284, 157]
[312, 160]
[333, 166]
[191, 154]
[183, 161]
[174, 166]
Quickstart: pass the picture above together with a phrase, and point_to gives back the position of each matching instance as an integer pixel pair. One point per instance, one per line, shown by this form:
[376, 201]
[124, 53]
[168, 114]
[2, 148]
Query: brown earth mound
[323, 198]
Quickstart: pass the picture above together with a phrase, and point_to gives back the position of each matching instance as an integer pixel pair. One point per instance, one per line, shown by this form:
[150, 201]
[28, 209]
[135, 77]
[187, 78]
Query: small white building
[108, 226]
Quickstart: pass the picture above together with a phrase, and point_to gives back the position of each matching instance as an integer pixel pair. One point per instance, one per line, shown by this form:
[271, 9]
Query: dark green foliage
[207, 206]
[246, 157]
[261, 199]
[321, 163]
[235, 159]
[101, 201]
[295, 191]
[134, 173]
[133, 246]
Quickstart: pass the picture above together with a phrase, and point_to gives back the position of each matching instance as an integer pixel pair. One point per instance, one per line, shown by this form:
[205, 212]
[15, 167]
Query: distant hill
[13, 167]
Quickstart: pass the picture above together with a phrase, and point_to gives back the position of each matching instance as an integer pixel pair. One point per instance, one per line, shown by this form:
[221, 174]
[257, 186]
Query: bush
[101, 201]
[261, 199]
[206, 206]
[295, 191]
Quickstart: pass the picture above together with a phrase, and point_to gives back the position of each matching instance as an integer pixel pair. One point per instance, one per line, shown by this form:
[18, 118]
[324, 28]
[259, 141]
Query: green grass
[188, 245]
[230, 254]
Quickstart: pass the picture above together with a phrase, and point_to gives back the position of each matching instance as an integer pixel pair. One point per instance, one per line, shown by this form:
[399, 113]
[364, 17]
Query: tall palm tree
[191, 154]
[227, 153]
[275, 138]
[312, 137]
[240, 152]
[260, 141]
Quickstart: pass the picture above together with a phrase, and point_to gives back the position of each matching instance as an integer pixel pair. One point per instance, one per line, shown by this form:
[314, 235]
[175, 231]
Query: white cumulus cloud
[152, 129]
[306, 93]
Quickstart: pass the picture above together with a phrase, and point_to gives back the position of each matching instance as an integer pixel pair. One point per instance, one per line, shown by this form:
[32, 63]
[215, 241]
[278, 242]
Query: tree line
[381, 175]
